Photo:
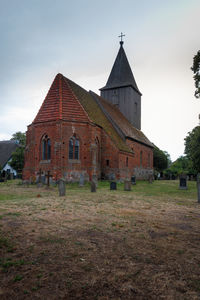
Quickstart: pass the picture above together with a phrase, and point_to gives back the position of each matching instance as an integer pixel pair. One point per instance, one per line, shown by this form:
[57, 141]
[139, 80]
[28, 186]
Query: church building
[79, 132]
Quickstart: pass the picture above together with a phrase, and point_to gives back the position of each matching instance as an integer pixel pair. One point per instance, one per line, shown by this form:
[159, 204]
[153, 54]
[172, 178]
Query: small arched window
[74, 148]
[126, 161]
[46, 148]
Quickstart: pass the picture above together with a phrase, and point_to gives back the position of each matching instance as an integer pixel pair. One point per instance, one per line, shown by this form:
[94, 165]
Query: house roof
[6, 150]
[121, 74]
[68, 101]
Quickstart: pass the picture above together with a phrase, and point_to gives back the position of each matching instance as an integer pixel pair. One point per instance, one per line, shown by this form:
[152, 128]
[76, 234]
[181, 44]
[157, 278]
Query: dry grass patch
[142, 244]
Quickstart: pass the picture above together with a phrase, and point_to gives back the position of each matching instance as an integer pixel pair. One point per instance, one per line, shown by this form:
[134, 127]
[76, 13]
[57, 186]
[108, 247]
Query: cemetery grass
[142, 244]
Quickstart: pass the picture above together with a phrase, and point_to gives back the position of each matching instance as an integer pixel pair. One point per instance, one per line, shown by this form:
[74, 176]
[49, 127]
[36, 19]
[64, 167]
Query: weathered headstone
[81, 180]
[39, 179]
[183, 182]
[113, 185]
[93, 186]
[62, 187]
[43, 179]
[133, 180]
[150, 178]
[127, 185]
[198, 187]
[95, 179]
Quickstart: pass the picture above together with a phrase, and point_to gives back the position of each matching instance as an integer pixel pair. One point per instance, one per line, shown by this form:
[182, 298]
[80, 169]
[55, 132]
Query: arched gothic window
[74, 148]
[46, 148]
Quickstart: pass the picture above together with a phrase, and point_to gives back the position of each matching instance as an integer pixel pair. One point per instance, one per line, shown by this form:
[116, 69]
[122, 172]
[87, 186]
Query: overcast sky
[79, 38]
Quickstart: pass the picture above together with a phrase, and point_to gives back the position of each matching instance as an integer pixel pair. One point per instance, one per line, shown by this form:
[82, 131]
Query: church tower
[121, 89]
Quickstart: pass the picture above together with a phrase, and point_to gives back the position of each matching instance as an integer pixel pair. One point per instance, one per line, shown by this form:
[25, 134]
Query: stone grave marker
[39, 179]
[113, 185]
[133, 180]
[198, 187]
[95, 179]
[127, 185]
[150, 178]
[93, 186]
[183, 182]
[62, 187]
[81, 180]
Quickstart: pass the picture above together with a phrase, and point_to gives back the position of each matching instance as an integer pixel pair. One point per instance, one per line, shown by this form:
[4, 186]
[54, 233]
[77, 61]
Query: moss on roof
[96, 114]
[127, 128]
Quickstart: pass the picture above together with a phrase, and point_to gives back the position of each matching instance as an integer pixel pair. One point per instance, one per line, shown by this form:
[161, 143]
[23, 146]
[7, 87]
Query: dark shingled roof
[121, 74]
[6, 150]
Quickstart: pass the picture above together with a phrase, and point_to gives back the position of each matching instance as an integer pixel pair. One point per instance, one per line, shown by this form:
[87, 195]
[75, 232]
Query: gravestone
[62, 187]
[39, 179]
[43, 179]
[113, 185]
[198, 187]
[183, 182]
[95, 179]
[127, 185]
[81, 180]
[150, 178]
[133, 181]
[93, 186]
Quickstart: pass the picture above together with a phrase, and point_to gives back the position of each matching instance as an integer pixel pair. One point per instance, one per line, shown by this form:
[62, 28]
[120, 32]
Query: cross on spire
[121, 36]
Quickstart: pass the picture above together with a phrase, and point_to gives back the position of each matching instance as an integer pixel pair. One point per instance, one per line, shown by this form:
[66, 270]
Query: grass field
[143, 244]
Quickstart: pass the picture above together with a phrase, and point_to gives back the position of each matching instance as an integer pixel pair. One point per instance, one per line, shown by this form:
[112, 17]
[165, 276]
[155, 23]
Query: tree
[17, 162]
[20, 137]
[160, 159]
[196, 70]
[182, 165]
[192, 147]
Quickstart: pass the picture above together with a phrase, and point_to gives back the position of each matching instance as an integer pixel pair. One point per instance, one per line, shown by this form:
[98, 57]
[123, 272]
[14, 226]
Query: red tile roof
[61, 103]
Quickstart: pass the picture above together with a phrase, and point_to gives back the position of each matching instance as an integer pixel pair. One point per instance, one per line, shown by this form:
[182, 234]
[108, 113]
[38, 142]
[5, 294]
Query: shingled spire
[121, 74]
[121, 89]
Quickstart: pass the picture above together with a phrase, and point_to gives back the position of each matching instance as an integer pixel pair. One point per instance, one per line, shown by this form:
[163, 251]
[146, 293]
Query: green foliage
[192, 147]
[160, 159]
[20, 137]
[17, 162]
[181, 165]
[196, 70]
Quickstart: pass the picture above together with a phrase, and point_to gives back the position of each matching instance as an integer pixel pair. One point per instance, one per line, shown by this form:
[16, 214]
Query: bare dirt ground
[143, 244]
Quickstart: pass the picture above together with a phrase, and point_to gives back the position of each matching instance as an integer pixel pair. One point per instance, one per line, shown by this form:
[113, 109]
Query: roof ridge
[60, 95]
[120, 132]
[67, 82]
[140, 136]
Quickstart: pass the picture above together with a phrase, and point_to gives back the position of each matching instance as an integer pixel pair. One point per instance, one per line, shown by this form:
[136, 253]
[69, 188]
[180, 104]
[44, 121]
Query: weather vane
[121, 36]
